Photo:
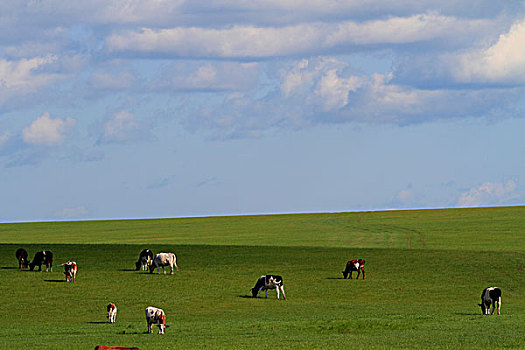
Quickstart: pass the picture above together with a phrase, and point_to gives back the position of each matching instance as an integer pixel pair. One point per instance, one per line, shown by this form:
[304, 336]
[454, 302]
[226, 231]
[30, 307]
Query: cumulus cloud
[207, 76]
[23, 76]
[47, 131]
[489, 193]
[123, 127]
[502, 62]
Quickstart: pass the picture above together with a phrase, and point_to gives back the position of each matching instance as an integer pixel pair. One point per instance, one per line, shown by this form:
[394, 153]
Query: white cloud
[123, 127]
[24, 76]
[242, 41]
[489, 193]
[47, 131]
[502, 62]
[207, 76]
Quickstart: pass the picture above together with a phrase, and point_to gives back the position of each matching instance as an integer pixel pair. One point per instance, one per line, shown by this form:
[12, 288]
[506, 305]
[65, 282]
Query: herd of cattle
[490, 296]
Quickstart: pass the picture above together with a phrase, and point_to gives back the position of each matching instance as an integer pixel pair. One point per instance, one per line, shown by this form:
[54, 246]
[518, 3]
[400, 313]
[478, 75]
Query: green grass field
[425, 271]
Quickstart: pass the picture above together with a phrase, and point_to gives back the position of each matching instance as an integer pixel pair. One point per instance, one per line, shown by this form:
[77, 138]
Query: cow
[44, 257]
[164, 259]
[156, 316]
[70, 270]
[490, 296]
[112, 312]
[266, 282]
[145, 260]
[21, 255]
[354, 265]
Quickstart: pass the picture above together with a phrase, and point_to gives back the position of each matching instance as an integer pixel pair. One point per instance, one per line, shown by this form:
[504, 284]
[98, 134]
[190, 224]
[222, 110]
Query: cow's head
[345, 274]
[138, 264]
[484, 309]
[151, 268]
[162, 324]
[24, 263]
[254, 292]
[32, 266]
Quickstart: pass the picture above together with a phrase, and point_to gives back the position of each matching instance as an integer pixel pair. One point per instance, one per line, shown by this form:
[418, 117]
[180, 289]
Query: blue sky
[142, 108]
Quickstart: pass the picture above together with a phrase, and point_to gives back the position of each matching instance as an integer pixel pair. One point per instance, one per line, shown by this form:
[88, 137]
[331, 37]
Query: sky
[170, 108]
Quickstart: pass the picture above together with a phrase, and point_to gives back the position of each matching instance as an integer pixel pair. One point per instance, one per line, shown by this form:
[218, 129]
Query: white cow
[112, 312]
[164, 259]
[266, 282]
[156, 316]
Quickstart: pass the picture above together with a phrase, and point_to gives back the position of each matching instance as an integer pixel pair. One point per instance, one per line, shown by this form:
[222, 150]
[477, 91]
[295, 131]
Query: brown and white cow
[354, 265]
[21, 256]
[70, 270]
[44, 257]
[156, 316]
[490, 296]
[112, 312]
[266, 282]
[164, 259]
[145, 260]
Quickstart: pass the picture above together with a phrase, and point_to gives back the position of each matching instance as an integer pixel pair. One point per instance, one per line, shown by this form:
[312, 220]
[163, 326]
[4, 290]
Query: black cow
[266, 282]
[44, 257]
[354, 265]
[21, 255]
[145, 260]
[490, 296]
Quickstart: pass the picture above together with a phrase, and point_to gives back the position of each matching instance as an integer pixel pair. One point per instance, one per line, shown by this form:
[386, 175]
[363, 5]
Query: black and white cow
[490, 296]
[354, 265]
[164, 259]
[266, 282]
[44, 257]
[21, 255]
[145, 260]
[154, 315]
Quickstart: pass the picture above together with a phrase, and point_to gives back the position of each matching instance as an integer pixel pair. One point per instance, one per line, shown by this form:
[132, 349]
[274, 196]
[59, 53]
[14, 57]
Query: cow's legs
[277, 290]
[282, 290]
[351, 272]
[172, 270]
[267, 293]
[163, 270]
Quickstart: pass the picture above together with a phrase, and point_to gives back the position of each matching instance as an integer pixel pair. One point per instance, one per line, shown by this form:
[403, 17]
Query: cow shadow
[245, 296]
[99, 322]
[127, 270]
[335, 278]
[55, 281]
[9, 268]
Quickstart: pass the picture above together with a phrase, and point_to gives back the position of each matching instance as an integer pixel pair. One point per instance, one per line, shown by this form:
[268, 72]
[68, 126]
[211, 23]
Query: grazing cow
[156, 316]
[164, 259]
[354, 265]
[112, 312]
[266, 282]
[490, 296]
[21, 255]
[44, 257]
[145, 260]
[70, 270]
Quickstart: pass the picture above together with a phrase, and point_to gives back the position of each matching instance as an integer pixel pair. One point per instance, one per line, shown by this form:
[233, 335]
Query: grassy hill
[425, 272]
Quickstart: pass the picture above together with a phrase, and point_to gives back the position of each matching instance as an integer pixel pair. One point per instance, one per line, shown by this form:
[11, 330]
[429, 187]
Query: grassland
[425, 272]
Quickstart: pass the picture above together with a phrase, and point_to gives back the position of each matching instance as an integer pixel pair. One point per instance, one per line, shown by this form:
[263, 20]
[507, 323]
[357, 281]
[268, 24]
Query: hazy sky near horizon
[153, 108]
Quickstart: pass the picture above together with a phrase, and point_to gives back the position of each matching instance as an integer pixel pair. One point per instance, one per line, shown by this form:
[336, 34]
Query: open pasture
[423, 283]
